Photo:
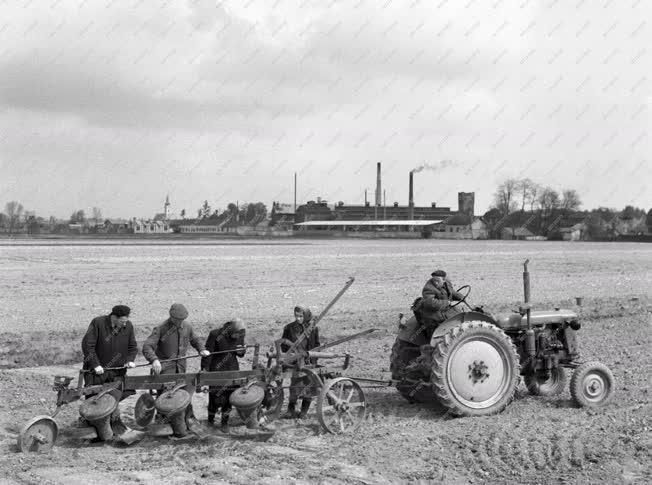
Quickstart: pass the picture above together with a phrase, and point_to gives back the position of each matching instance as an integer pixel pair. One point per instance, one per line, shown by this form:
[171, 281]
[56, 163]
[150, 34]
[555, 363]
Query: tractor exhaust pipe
[530, 344]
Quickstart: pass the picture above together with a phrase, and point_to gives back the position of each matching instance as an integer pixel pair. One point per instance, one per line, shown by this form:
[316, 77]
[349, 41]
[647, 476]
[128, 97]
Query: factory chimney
[378, 186]
[411, 200]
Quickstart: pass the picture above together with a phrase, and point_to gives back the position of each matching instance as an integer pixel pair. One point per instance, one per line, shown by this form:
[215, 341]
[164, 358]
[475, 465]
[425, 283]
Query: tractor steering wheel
[463, 300]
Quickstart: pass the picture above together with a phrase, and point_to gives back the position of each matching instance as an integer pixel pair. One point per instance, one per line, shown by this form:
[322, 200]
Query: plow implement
[258, 395]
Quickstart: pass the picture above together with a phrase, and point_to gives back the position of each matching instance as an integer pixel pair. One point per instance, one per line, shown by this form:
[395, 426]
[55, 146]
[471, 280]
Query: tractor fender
[444, 327]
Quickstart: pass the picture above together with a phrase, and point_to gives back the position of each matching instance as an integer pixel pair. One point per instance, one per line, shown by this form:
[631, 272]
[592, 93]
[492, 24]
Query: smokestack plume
[378, 186]
[411, 197]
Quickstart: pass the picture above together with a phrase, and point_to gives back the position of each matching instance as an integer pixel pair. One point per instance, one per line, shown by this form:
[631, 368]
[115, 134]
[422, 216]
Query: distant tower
[166, 208]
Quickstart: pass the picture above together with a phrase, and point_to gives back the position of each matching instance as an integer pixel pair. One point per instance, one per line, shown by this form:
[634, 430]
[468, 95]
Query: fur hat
[439, 272]
[121, 311]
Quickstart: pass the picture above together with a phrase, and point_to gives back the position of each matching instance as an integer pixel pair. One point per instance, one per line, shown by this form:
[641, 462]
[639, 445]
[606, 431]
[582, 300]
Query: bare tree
[13, 210]
[505, 196]
[549, 200]
[535, 191]
[570, 200]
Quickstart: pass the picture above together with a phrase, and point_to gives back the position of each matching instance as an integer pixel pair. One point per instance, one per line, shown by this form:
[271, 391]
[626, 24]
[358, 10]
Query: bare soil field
[50, 294]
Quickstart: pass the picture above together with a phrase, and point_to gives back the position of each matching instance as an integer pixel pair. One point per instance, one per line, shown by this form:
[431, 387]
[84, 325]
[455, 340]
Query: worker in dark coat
[437, 295]
[300, 386]
[109, 342]
[228, 339]
[169, 340]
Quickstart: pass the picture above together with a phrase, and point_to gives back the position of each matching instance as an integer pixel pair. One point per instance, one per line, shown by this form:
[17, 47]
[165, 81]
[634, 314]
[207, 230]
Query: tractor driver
[437, 294]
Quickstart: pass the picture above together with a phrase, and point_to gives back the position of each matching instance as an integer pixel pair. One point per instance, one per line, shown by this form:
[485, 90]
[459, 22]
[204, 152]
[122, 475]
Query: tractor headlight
[575, 325]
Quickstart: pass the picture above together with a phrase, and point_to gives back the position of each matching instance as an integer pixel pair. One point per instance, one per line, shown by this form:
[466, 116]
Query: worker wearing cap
[228, 342]
[109, 342]
[437, 294]
[169, 340]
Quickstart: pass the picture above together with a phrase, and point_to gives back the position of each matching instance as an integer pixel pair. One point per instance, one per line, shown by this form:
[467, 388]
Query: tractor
[471, 363]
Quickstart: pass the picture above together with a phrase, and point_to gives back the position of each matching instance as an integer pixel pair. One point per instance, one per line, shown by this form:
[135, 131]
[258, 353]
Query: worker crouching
[227, 343]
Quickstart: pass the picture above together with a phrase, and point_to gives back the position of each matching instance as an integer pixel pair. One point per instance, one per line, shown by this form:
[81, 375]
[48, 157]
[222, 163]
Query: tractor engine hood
[537, 318]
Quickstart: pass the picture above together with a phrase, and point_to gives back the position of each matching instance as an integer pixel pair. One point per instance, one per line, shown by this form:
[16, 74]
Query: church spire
[166, 207]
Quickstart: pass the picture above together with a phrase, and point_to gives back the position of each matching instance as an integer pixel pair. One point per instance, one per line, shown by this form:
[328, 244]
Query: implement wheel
[38, 435]
[341, 407]
[475, 369]
[592, 384]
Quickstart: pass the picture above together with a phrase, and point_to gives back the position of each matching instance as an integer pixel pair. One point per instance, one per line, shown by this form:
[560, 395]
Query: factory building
[428, 221]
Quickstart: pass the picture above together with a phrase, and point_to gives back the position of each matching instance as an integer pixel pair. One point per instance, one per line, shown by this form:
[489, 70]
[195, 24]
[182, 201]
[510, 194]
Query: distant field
[61, 287]
[52, 292]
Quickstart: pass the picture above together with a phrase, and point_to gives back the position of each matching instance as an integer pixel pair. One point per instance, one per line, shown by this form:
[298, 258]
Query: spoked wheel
[475, 369]
[552, 386]
[341, 407]
[38, 435]
[144, 410]
[592, 384]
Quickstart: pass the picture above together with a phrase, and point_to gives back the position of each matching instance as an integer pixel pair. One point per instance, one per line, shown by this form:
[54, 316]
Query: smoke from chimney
[436, 166]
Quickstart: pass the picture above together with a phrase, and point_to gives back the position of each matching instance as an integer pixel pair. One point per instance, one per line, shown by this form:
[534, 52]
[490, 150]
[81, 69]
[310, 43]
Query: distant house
[461, 226]
[151, 227]
[518, 233]
[282, 215]
[209, 225]
[576, 232]
[116, 226]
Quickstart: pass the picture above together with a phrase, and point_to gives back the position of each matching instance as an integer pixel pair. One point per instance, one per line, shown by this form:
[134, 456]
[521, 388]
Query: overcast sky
[115, 103]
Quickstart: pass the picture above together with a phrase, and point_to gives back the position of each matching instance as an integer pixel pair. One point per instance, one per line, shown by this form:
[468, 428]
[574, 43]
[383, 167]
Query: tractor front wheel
[475, 369]
[552, 386]
[592, 384]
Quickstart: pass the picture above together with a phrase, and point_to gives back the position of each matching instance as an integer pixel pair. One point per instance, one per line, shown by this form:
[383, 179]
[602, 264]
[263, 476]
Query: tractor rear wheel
[475, 369]
[414, 385]
[552, 386]
[592, 384]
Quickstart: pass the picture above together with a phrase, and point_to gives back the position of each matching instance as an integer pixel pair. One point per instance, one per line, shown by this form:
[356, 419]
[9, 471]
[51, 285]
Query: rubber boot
[211, 419]
[291, 413]
[224, 425]
[305, 405]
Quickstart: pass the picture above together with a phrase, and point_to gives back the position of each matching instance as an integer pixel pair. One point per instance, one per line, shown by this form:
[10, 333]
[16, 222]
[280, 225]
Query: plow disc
[38, 435]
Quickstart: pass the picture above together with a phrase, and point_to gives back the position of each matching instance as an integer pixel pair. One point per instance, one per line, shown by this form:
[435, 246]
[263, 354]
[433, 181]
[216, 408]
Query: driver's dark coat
[436, 301]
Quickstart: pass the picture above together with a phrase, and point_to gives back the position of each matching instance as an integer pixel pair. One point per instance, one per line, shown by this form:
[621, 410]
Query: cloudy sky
[115, 103]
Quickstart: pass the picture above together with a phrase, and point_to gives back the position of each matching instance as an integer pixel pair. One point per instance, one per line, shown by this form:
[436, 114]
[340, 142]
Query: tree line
[543, 210]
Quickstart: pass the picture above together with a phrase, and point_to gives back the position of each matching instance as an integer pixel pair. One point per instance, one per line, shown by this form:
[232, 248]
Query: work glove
[99, 370]
[204, 388]
[156, 366]
[130, 365]
[204, 353]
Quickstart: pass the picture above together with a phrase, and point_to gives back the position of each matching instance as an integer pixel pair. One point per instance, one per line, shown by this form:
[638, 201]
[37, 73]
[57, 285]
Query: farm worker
[228, 339]
[299, 386]
[169, 340]
[437, 294]
[108, 343]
